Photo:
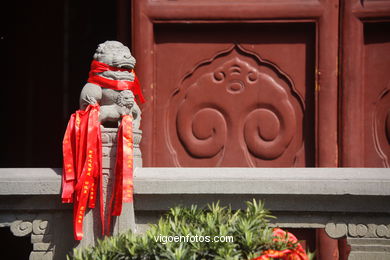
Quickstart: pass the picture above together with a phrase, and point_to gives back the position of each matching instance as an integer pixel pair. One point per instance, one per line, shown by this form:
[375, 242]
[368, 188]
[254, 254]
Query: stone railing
[347, 202]
[30, 205]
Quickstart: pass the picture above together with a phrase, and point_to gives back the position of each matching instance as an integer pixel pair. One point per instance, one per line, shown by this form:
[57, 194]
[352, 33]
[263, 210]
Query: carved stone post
[367, 241]
[41, 237]
[92, 223]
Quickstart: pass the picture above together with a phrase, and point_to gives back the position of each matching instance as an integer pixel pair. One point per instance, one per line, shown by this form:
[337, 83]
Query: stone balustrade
[347, 202]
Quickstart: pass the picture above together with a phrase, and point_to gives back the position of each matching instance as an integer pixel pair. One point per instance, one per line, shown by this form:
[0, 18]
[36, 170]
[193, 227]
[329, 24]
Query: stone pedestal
[92, 221]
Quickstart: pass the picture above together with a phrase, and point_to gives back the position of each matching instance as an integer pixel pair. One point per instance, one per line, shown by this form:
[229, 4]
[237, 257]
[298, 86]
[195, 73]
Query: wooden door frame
[355, 13]
[323, 13]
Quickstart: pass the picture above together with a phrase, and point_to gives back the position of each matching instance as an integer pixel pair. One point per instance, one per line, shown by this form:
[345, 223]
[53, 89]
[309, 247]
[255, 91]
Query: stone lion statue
[113, 103]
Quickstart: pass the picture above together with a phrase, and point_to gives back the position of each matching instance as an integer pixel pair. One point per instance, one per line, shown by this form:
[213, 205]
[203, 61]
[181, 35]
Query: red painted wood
[327, 85]
[327, 248]
[344, 249]
[376, 94]
[365, 97]
[249, 83]
[246, 91]
[176, 47]
[210, 10]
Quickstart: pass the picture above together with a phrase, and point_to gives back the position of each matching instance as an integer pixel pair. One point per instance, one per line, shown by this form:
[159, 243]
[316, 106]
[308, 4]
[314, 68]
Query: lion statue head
[115, 54]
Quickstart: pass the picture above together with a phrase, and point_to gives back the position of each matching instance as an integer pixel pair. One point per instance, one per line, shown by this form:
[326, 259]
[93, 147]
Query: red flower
[298, 253]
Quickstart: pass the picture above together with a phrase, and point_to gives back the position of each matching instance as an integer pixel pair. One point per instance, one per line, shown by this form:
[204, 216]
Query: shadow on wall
[46, 51]
[13, 247]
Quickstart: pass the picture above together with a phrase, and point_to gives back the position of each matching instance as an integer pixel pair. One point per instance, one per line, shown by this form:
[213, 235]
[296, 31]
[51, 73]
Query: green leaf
[249, 229]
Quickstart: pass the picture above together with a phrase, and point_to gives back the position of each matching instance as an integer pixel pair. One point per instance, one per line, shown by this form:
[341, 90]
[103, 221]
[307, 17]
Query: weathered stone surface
[41, 238]
[383, 231]
[38, 226]
[307, 181]
[349, 196]
[32, 181]
[41, 227]
[41, 255]
[113, 103]
[41, 246]
[369, 248]
[336, 230]
[370, 230]
[92, 225]
[317, 181]
[21, 228]
[335, 199]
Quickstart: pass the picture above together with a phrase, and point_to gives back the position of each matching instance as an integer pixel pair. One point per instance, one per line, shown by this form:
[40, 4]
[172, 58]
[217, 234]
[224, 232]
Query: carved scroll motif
[41, 238]
[235, 110]
[338, 230]
[381, 126]
[21, 228]
[388, 127]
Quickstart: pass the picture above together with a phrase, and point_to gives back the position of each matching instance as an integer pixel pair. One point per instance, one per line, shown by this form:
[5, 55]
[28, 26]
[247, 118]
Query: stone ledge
[316, 204]
[287, 181]
[31, 181]
[308, 181]
[352, 200]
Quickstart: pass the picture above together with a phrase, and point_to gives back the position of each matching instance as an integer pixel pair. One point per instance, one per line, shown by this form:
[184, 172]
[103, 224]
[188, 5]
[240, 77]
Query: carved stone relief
[339, 230]
[381, 126]
[235, 110]
[366, 241]
[39, 228]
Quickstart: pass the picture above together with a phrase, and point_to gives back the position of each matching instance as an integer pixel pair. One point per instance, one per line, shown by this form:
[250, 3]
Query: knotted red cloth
[95, 78]
[82, 170]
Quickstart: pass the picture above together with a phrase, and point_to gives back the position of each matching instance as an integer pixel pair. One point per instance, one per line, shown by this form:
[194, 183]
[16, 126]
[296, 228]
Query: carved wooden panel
[227, 86]
[366, 84]
[249, 116]
[377, 94]
[234, 104]
[238, 83]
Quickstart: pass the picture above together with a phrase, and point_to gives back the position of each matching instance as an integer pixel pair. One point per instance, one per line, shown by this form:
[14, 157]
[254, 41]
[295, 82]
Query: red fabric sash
[99, 67]
[123, 189]
[82, 166]
[82, 171]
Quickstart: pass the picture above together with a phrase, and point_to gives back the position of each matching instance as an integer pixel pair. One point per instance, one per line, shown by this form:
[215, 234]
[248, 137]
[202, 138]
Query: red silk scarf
[82, 171]
[95, 78]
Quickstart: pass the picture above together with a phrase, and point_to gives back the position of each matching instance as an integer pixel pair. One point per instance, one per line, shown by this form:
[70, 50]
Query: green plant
[311, 255]
[249, 229]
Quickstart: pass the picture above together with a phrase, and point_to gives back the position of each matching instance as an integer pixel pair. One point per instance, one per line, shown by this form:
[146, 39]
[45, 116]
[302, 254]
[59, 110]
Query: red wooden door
[365, 115]
[256, 83]
[249, 83]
